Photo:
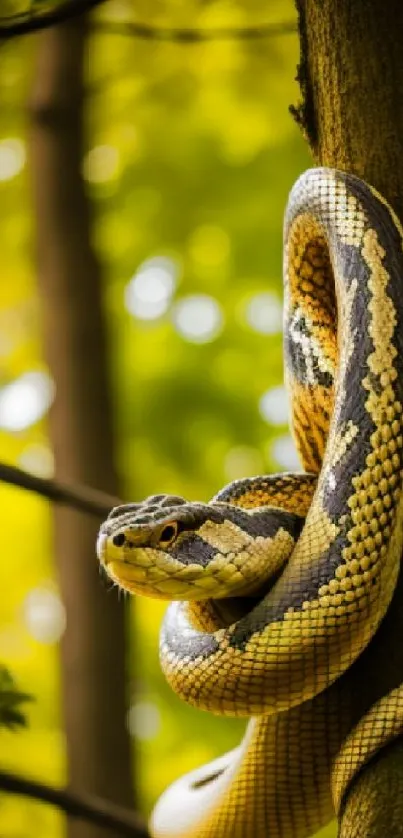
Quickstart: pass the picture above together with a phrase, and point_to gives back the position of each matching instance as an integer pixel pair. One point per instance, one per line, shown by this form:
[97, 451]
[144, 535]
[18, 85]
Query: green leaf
[11, 716]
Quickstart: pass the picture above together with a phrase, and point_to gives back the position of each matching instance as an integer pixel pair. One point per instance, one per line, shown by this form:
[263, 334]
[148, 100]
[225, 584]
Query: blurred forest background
[190, 152]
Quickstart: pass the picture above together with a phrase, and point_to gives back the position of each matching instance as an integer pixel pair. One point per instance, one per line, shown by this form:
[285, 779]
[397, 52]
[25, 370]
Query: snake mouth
[135, 577]
[127, 576]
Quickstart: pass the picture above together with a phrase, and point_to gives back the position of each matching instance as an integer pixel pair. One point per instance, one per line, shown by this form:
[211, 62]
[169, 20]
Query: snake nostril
[119, 539]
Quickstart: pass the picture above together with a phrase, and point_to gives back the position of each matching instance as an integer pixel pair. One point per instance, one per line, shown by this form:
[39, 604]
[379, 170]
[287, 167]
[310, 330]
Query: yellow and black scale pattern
[280, 582]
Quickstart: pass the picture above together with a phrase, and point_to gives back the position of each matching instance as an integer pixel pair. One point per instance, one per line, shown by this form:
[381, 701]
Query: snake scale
[280, 582]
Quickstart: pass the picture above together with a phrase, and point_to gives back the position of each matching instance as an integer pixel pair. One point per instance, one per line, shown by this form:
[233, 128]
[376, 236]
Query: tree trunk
[351, 79]
[93, 647]
[351, 75]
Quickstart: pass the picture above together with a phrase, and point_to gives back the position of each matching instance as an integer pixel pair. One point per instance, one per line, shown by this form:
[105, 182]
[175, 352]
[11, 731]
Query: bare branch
[79, 497]
[86, 807]
[28, 22]
[191, 35]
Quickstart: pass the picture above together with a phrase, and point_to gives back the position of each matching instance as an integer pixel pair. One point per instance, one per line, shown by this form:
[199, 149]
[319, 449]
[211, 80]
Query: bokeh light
[148, 294]
[192, 303]
[101, 164]
[37, 459]
[284, 452]
[44, 615]
[198, 318]
[12, 158]
[264, 313]
[274, 406]
[144, 720]
[25, 400]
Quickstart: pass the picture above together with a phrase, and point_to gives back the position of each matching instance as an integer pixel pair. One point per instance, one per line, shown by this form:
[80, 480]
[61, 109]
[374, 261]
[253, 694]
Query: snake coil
[282, 581]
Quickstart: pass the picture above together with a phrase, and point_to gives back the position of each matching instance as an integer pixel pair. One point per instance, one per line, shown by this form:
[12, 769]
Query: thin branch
[193, 36]
[79, 497]
[28, 22]
[85, 807]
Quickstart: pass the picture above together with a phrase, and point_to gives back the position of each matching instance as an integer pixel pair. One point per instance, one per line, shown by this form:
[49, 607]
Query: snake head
[169, 548]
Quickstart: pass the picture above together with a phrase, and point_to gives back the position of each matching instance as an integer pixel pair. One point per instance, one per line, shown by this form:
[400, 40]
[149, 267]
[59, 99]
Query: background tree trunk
[351, 78]
[93, 647]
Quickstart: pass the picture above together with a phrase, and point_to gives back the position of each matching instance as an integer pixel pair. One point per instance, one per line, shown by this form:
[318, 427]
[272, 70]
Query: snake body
[281, 581]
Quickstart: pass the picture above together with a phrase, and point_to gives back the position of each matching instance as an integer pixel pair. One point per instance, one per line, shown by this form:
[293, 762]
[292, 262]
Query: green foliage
[191, 154]
[11, 715]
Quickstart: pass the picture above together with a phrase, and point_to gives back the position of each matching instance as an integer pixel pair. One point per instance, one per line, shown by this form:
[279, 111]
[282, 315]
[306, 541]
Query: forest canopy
[190, 154]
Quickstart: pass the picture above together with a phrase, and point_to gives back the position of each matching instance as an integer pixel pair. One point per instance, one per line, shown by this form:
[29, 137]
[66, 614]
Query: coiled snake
[281, 581]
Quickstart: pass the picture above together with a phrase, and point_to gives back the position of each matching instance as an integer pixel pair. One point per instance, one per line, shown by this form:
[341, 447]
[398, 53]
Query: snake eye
[168, 534]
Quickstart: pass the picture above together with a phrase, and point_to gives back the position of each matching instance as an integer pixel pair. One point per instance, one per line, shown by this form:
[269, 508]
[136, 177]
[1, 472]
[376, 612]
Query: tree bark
[351, 80]
[93, 647]
[351, 74]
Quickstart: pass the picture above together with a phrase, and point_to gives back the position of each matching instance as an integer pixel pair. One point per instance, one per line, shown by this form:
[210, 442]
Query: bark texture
[351, 76]
[351, 80]
[93, 647]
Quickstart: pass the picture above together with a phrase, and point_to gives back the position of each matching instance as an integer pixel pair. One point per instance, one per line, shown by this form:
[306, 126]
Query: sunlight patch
[26, 400]
[148, 294]
[44, 615]
[12, 158]
[198, 318]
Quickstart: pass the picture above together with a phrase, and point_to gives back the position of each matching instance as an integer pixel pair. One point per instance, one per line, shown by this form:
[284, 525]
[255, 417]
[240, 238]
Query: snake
[279, 582]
